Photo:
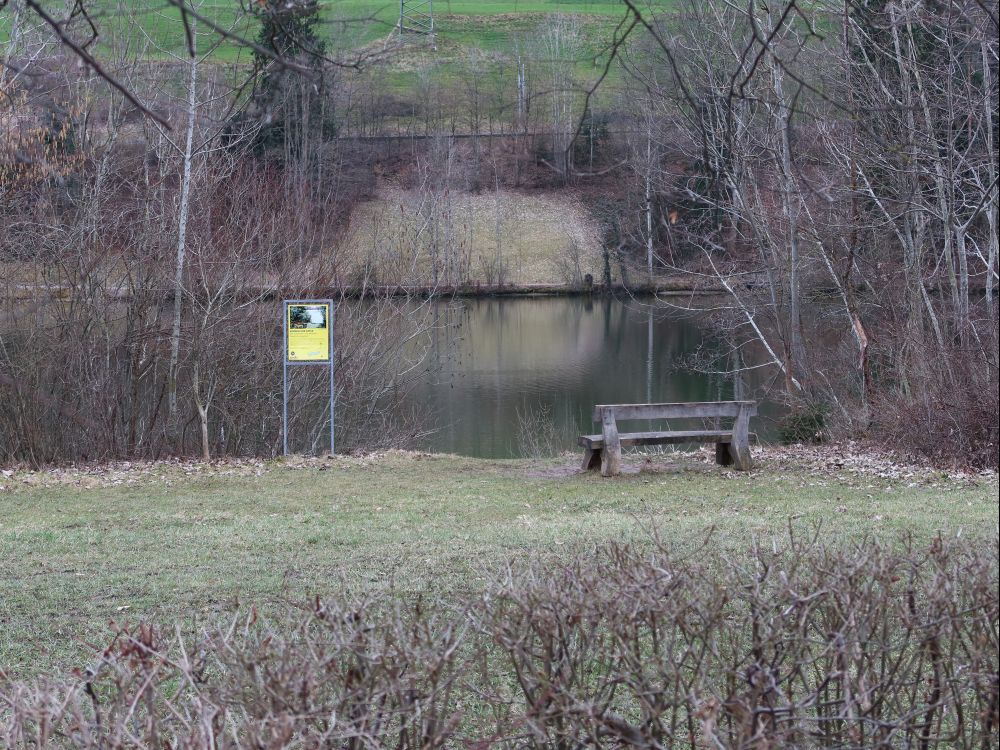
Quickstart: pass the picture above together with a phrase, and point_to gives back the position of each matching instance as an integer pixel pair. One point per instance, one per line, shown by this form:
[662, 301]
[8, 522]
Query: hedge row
[801, 646]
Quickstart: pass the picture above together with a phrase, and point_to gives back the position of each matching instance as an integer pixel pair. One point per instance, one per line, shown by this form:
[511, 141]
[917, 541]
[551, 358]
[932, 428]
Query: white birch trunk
[992, 203]
[182, 221]
[649, 207]
[790, 209]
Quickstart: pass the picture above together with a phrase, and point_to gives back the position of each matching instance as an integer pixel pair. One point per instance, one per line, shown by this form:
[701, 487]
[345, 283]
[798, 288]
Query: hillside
[156, 27]
[501, 237]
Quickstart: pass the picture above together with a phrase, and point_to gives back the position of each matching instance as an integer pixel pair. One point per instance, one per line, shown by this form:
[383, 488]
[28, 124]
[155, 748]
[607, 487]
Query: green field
[365, 30]
[152, 29]
[155, 27]
[179, 542]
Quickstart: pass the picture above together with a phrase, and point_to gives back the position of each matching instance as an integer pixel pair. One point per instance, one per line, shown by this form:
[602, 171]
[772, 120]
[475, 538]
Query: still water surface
[494, 364]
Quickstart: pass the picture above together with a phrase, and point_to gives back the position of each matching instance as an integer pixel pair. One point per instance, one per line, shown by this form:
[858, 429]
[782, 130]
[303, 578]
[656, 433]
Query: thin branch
[91, 61]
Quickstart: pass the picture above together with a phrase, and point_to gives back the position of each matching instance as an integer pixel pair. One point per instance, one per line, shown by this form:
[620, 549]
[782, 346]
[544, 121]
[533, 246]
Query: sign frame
[288, 362]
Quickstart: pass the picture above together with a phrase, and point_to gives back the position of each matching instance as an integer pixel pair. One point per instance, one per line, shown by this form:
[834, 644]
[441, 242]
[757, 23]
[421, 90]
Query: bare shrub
[495, 270]
[948, 413]
[537, 433]
[85, 351]
[345, 674]
[567, 265]
[805, 647]
[792, 645]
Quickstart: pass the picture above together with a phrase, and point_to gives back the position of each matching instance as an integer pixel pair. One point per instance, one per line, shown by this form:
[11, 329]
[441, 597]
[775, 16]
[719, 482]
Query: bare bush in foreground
[802, 646]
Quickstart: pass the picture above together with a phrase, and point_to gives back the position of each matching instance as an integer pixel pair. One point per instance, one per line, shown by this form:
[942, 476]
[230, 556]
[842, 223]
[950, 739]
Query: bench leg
[741, 456]
[723, 456]
[730, 454]
[740, 447]
[611, 456]
[591, 459]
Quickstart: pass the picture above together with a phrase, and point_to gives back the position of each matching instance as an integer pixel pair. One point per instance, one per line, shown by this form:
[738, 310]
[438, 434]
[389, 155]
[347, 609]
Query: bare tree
[558, 49]
[861, 158]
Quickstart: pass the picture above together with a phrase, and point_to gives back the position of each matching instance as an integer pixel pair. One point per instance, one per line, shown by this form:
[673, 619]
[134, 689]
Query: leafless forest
[831, 166]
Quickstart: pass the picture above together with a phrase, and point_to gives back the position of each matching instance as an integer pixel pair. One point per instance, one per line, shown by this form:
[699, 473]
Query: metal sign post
[308, 340]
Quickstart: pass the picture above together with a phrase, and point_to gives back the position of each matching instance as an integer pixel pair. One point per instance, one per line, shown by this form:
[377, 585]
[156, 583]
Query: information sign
[308, 340]
[308, 332]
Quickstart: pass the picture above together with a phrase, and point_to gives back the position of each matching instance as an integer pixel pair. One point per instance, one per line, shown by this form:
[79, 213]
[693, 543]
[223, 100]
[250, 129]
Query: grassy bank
[519, 239]
[179, 542]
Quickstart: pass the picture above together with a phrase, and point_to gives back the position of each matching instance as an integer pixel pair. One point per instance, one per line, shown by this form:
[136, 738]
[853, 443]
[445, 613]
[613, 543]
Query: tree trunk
[182, 221]
[202, 407]
[992, 207]
[790, 209]
[649, 206]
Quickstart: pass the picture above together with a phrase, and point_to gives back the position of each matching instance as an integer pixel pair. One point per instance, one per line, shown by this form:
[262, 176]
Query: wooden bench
[732, 444]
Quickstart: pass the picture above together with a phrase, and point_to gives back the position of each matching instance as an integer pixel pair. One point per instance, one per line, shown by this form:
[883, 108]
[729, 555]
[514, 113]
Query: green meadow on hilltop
[155, 25]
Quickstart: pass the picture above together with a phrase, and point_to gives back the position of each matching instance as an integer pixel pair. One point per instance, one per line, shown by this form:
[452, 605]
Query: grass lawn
[179, 542]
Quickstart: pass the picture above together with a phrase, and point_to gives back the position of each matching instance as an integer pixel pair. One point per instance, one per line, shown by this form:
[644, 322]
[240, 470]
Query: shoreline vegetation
[661, 287]
[680, 286]
[672, 287]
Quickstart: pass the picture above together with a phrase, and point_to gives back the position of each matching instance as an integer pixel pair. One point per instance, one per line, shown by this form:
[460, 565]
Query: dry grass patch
[468, 238]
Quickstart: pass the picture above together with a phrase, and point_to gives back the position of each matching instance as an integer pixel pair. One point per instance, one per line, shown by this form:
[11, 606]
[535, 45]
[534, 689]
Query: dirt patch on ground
[638, 463]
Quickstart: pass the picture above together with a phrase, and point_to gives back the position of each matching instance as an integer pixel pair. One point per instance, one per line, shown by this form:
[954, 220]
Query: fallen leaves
[167, 472]
[821, 462]
[850, 458]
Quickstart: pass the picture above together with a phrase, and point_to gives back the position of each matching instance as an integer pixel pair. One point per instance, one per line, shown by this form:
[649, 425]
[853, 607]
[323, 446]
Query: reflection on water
[494, 360]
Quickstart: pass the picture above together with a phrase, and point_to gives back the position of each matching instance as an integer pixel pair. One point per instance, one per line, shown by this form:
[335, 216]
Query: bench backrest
[692, 410]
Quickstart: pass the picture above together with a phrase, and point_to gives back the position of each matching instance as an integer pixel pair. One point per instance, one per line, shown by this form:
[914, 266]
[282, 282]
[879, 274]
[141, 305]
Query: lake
[501, 370]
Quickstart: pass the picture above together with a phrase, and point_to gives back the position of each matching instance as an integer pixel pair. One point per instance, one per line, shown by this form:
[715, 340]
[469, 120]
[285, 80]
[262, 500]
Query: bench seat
[596, 442]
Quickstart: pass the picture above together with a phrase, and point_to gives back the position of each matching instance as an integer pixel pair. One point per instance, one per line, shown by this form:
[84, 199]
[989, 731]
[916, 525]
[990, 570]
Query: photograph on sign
[308, 333]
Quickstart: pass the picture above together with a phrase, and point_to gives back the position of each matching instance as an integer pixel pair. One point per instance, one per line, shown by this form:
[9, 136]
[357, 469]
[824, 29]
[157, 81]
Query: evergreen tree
[289, 103]
[288, 30]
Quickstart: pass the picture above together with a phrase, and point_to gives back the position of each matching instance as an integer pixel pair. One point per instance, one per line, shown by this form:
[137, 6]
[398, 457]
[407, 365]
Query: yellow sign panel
[308, 333]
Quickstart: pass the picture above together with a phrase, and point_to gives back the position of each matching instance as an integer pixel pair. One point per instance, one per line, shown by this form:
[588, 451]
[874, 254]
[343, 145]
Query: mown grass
[180, 545]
